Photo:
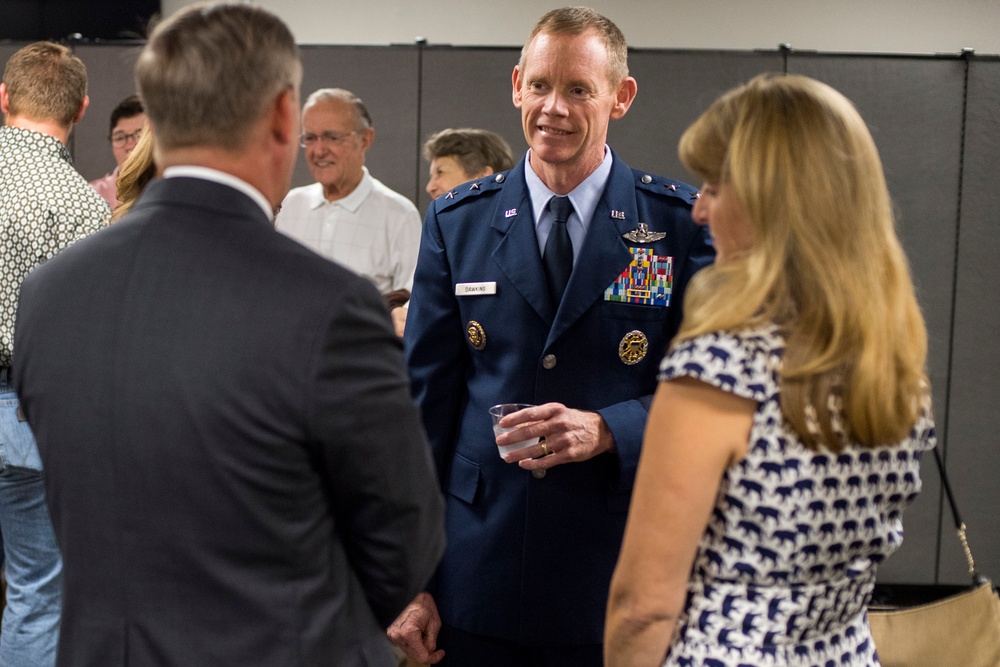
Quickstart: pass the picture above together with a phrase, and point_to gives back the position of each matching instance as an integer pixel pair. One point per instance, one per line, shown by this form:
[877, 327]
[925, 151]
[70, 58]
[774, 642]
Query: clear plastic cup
[497, 412]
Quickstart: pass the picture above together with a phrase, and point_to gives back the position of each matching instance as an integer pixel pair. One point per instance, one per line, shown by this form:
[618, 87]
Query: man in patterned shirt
[45, 205]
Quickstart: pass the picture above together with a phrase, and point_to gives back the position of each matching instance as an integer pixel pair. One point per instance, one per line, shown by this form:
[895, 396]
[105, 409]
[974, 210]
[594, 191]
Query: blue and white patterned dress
[787, 562]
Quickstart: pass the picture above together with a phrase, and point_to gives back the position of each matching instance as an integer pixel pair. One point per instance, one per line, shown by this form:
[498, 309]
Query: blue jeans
[31, 557]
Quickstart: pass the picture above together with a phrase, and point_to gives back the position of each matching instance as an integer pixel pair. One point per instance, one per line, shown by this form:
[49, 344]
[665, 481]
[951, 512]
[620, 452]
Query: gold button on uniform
[549, 362]
[476, 335]
[538, 473]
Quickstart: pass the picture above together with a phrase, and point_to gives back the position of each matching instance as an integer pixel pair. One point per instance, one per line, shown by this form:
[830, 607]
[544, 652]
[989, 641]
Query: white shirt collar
[351, 202]
[216, 176]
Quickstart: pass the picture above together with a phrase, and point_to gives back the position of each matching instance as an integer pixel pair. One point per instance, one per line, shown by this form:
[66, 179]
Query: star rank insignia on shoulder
[666, 186]
[470, 190]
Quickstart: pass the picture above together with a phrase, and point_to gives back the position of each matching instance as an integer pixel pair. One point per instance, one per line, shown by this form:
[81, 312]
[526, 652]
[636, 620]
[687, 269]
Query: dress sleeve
[740, 363]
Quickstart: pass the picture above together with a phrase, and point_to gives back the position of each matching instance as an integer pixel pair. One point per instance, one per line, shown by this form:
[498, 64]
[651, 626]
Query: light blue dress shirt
[583, 197]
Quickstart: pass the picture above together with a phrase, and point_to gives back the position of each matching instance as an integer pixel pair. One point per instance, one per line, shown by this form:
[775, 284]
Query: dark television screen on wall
[29, 20]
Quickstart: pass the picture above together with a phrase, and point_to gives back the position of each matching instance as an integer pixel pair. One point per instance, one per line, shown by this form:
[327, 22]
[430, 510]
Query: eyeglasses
[309, 139]
[119, 138]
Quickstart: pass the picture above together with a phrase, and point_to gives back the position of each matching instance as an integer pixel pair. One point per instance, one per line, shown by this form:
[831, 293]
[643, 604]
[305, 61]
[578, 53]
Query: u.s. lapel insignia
[633, 347]
[641, 234]
[476, 334]
[510, 213]
[617, 215]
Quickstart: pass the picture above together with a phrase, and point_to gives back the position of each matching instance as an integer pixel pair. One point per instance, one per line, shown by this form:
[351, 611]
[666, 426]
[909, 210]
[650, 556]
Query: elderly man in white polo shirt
[347, 215]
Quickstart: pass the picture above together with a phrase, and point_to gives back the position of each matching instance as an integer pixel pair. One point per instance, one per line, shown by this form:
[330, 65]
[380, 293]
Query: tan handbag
[961, 629]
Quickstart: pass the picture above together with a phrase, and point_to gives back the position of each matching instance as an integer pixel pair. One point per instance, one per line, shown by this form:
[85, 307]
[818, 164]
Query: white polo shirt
[374, 231]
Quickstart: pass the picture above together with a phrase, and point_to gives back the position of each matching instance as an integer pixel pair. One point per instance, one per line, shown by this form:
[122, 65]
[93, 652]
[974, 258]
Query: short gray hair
[208, 72]
[362, 118]
[474, 149]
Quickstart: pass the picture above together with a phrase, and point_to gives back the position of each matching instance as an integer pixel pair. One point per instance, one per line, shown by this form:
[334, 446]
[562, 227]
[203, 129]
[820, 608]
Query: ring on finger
[545, 448]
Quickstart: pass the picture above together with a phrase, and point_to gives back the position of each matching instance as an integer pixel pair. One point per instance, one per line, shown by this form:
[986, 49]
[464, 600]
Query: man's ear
[515, 82]
[83, 109]
[284, 118]
[624, 97]
[4, 100]
[367, 137]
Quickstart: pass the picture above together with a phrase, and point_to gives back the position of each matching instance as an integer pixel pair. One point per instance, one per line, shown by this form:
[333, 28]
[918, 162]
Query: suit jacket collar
[210, 197]
[233, 181]
[602, 258]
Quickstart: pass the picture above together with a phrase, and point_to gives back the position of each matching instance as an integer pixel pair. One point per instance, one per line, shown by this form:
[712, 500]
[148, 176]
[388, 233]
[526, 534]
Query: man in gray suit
[235, 471]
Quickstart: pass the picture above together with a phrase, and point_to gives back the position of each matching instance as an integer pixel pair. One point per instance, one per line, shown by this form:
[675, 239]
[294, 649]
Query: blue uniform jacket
[530, 560]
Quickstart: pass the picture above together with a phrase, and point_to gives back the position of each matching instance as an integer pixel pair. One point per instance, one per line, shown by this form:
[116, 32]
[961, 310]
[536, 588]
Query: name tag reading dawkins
[475, 289]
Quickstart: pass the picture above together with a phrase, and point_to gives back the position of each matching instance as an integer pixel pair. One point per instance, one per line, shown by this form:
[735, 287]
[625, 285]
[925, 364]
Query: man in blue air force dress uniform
[533, 539]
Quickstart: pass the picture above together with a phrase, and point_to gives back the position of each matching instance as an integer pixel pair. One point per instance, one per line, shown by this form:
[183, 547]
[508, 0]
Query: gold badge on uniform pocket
[633, 347]
[476, 334]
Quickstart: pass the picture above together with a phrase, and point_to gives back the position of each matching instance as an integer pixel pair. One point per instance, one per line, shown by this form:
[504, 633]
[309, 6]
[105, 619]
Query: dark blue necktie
[558, 254]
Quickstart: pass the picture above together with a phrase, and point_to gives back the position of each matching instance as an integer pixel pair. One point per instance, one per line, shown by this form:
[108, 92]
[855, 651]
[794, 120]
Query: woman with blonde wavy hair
[785, 437]
[136, 171]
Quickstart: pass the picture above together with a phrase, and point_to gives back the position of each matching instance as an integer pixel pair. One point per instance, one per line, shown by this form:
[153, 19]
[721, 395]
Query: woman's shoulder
[744, 362]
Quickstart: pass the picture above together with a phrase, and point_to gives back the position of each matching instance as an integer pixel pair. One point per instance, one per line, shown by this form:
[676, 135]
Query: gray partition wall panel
[913, 107]
[974, 420]
[468, 87]
[385, 78]
[110, 79]
[674, 88]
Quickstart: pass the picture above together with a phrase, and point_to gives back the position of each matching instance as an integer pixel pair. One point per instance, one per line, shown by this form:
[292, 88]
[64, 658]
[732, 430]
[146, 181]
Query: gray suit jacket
[234, 467]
